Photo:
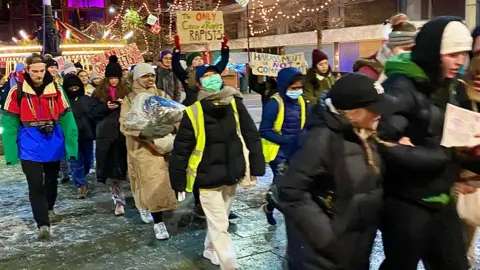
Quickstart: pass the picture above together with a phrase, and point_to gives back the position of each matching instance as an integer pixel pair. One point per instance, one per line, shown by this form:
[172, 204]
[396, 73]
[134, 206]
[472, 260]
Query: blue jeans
[81, 166]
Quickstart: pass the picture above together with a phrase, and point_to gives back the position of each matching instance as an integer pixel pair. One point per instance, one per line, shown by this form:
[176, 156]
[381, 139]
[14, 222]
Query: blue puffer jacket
[291, 125]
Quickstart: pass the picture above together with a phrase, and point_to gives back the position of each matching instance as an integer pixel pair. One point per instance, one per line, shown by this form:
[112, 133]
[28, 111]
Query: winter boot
[270, 219]
[161, 232]
[146, 216]
[44, 234]
[232, 215]
[65, 179]
[198, 211]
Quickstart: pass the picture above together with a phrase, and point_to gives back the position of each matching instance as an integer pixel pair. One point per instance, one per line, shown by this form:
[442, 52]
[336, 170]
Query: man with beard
[37, 128]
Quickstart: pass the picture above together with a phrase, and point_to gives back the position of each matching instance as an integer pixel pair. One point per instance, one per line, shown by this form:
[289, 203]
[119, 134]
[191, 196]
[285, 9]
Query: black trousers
[42, 188]
[412, 232]
[196, 195]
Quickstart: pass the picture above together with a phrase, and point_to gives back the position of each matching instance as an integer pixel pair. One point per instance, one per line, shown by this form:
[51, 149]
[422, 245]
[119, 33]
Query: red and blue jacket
[21, 122]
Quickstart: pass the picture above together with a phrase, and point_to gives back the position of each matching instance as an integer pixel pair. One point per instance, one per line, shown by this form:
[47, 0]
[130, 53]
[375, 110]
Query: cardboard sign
[200, 26]
[460, 127]
[265, 64]
[151, 20]
[128, 56]
[61, 63]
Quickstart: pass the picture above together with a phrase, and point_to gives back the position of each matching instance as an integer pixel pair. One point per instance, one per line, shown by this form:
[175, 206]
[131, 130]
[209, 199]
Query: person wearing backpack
[283, 119]
[38, 127]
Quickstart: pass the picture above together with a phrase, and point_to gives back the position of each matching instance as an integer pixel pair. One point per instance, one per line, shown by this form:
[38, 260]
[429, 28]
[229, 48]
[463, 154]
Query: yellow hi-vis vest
[195, 114]
[270, 149]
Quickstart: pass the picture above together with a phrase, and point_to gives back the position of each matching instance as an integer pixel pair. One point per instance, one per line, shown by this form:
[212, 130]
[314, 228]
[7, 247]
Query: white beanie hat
[456, 38]
[69, 67]
[142, 69]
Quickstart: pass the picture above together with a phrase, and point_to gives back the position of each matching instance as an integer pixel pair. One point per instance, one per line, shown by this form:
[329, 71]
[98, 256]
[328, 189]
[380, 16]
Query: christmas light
[15, 39]
[111, 10]
[23, 34]
[128, 35]
[68, 34]
[105, 34]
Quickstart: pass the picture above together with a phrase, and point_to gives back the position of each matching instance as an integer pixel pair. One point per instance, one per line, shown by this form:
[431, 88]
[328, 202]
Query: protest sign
[200, 26]
[460, 127]
[265, 64]
[242, 3]
[61, 63]
[128, 56]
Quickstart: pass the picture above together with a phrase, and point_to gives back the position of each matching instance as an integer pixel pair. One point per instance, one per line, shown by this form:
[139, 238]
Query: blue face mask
[294, 94]
[212, 84]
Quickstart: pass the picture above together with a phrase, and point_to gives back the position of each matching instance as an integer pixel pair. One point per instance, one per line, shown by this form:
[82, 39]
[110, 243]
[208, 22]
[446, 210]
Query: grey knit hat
[403, 32]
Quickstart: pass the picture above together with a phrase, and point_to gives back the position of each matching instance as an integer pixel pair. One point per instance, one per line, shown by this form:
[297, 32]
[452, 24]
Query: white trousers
[216, 204]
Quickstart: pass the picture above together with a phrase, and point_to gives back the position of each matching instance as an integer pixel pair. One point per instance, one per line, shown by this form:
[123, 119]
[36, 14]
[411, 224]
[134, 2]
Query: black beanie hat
[51, 62]
[113, 69]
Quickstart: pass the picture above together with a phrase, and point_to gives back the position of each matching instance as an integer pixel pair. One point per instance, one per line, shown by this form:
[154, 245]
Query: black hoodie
[79, 103]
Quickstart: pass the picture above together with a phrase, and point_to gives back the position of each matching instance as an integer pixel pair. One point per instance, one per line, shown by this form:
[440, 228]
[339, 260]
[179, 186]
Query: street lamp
[50, 37]
[128, 35]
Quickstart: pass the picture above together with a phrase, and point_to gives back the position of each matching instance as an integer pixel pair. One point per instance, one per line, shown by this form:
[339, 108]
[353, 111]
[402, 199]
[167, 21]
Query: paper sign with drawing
[265, 64]
[200, 26]
[460, 127]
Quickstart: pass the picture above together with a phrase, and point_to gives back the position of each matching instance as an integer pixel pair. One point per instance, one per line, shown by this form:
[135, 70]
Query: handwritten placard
[128, 56]
[460, 127]
[200, 26]
[265, 64]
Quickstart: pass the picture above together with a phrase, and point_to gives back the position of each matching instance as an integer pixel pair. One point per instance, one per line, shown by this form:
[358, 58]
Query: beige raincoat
[147, 169]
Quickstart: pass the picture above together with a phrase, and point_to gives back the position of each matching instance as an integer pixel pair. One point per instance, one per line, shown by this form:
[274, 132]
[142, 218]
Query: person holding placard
[420, 221]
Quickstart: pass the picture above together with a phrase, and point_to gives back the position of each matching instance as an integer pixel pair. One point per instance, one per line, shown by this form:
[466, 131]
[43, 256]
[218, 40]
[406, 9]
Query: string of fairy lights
[260, 17]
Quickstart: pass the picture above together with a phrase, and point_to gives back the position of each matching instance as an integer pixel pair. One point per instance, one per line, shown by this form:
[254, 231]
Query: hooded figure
[283, 119]
[79, 102]
[331, 194]
[167, 81]
[420, 174]
[220, 127]
[319, 78]
[147, 166]
[401, 39]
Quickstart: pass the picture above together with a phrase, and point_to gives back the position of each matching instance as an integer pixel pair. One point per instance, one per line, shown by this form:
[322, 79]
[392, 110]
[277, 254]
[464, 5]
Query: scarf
[224, 97]
[112, 93]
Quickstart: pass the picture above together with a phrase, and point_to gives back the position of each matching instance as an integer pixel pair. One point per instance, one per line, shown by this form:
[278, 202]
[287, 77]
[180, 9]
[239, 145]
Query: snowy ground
[89, 236]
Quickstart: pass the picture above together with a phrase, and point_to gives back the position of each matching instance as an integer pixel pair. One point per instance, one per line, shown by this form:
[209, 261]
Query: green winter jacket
[11, 125]
[316, 85]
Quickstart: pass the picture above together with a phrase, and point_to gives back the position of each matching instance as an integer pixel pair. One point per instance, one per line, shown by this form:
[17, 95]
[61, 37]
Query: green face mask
[212, 84]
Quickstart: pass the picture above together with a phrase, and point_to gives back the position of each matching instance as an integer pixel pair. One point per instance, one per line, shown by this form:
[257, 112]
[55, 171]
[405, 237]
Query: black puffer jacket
[424, 173]
[223, 162]
[331, 159]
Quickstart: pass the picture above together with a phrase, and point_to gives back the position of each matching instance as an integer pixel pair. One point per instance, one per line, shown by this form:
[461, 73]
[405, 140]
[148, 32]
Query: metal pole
[247, 71]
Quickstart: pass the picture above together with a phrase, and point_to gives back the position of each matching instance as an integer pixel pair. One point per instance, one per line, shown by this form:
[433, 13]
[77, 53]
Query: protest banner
[460, 127]
[200, 26]
[128, 56]
[265, 64]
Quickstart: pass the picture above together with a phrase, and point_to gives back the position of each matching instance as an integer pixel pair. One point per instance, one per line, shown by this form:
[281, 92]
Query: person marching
[166, 79]
[38, 127]
[79, 102]
[210, 151]
[319, 78]
[331, 195]
[283, 119]
[111, 152]
[148, 168]
[83, 75]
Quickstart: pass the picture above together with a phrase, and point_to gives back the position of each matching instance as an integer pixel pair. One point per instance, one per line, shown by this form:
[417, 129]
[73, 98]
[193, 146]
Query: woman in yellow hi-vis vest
[283, 119]
[217, 145]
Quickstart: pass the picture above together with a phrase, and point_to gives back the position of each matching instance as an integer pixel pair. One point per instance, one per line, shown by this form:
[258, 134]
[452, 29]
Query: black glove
[157, 131]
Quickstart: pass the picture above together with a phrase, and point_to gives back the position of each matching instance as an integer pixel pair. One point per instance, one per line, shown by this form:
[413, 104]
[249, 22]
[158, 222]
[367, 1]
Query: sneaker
[212, 256]
[44, 233]
[82, 192]
[119, 210]
[270, 219]
[146, 216]
[65, 180]
[232, 215]
[198, 211]
[161, 232]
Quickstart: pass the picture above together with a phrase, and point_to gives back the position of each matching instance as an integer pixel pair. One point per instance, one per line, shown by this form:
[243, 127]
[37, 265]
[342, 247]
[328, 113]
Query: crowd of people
[350, 155]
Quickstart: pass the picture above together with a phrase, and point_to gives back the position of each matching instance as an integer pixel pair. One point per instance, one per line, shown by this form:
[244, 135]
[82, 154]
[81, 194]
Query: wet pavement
[88, 235]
